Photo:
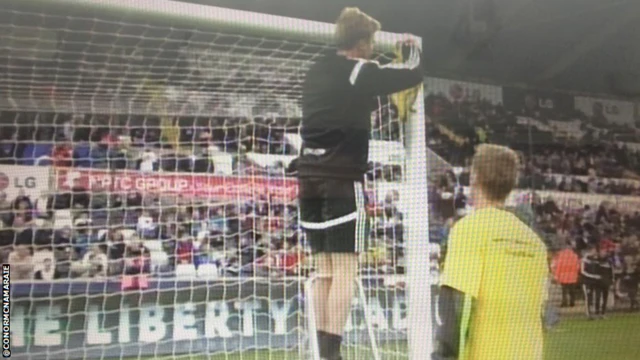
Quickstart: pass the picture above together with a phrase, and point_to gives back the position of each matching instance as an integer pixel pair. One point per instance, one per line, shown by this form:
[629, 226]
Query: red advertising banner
[200, 185]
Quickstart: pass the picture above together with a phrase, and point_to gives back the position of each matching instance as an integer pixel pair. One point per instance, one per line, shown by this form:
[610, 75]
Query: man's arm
[376, 80]
[453, 315]
[460, 284]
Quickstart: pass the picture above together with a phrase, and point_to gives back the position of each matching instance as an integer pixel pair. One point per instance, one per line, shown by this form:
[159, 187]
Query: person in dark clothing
[605, 270]
[629, 281]
[337, 100]
[590, 278]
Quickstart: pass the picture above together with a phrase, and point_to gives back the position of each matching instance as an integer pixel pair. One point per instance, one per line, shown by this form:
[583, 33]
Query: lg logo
[28, 182]
[545, 103]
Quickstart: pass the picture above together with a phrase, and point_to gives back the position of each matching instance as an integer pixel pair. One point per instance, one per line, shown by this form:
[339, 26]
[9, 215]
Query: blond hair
[496, 170]
[353, 26]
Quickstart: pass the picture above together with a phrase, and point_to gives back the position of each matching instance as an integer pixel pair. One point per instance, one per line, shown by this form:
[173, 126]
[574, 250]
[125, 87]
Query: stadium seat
[97, 157]
[81, 154]
[43, 161]
[42, 150]
[27, 155]
[208, 271]
[8, 149]
[185, 271]
[34, 151]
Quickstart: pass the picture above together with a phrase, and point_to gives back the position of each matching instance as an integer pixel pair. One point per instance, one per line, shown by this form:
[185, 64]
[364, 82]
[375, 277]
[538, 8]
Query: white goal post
[293, 43]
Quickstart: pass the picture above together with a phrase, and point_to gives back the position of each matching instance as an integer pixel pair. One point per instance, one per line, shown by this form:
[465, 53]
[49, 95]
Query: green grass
[617, 338]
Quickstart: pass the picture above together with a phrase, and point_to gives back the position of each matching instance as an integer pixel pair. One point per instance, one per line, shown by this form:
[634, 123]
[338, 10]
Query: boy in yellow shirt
[495, 270]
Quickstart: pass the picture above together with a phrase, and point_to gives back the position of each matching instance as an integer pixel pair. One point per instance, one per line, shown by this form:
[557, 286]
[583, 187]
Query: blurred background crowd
[81, 231]
[567, 157]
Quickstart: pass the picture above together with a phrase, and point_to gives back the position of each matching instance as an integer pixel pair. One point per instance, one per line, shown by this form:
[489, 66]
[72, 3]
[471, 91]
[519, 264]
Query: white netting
[162, 215]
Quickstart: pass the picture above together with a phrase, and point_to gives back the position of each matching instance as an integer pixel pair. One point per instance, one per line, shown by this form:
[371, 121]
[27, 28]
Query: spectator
[605, 270]
[196, 224]
[82, 235]
[65, 259]
[115, 252]
[591, 280]
[204, 253]
[41, 254]
[184, 250]
[44, 263]
[22, 201]
[22, 216]
[146, 227]
[134, 200]
[6, 215]
[629, 281]
[566, 267]
[95, 262]
[21, 262]
[108, 139]
[62, 236]
[63, 155]
[47, 271]
[67, 129]
[136, 260]
[217, 222]
[148, 160]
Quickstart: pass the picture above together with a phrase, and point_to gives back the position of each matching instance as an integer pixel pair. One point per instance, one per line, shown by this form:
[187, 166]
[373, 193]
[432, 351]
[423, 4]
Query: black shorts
[333, 215]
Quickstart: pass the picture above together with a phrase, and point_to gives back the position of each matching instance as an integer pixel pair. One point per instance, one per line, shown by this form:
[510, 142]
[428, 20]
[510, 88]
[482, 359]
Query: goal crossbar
[210, 17]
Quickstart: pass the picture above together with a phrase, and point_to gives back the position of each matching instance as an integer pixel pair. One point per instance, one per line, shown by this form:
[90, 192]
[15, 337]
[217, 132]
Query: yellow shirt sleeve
[463, 262]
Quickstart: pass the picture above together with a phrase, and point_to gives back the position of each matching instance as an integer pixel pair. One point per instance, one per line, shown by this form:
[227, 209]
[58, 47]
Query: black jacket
[590, 271]
[337, 101]
[605, 270]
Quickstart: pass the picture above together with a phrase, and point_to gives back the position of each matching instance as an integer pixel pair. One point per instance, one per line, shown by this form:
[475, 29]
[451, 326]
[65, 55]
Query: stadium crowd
[553, 160]
[591, 160]
[85, 233]
[80, 232]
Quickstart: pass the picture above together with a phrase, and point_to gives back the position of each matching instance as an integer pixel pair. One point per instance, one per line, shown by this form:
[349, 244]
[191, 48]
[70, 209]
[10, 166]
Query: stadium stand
[92, 225]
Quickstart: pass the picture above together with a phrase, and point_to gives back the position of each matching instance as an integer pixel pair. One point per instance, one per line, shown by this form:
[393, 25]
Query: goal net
[148, 149]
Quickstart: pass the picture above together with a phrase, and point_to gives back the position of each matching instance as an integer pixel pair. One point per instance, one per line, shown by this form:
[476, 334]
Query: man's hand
[410, 40]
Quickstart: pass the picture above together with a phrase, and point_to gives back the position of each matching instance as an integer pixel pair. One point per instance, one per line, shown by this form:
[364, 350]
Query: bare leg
[321, 290]
[343, 286]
